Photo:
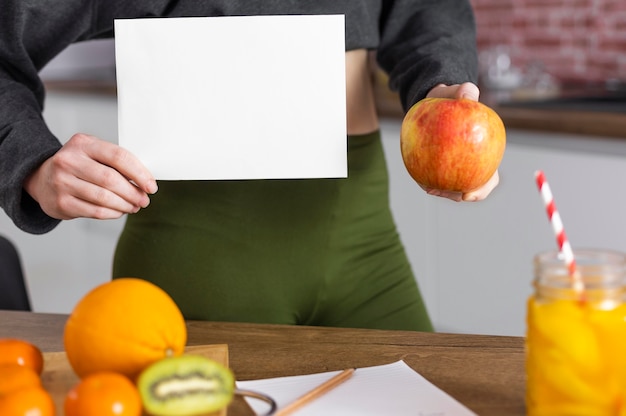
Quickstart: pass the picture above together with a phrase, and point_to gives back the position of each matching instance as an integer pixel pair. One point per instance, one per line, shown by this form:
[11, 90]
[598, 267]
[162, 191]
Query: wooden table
[485, 373]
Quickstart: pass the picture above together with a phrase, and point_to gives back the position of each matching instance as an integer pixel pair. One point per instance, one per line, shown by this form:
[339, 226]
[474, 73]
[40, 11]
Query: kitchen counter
[588, 123]
[484, 373]
[546, 116]
[106, 87]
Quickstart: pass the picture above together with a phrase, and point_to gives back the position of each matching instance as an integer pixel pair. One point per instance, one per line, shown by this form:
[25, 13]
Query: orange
[18, 351]
[123, 326]
[27, 402]
[103, 394]
[15, 377]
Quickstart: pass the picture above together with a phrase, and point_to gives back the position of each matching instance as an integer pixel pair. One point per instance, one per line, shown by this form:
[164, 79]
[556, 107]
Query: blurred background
[579, 41]
[547, 49]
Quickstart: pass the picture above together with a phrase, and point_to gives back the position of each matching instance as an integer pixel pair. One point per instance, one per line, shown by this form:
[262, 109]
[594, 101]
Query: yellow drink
[576, 345]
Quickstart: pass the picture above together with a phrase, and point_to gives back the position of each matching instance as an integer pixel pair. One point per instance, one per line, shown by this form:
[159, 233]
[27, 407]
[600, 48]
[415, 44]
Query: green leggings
[310, 252]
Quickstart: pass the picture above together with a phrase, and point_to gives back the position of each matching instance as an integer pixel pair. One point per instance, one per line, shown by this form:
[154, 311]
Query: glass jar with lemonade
[576, 340]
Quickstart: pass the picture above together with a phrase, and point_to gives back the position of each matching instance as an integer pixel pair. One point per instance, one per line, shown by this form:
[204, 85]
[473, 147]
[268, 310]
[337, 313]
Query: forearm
[25, 142]
[426, 43]
[14, 169]
[31, 35]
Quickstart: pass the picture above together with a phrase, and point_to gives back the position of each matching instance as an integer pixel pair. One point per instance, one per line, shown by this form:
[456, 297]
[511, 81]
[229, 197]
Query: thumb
[468, 90]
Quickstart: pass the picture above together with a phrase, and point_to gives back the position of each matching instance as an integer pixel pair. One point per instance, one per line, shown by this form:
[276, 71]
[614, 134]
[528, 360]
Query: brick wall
[573, 39]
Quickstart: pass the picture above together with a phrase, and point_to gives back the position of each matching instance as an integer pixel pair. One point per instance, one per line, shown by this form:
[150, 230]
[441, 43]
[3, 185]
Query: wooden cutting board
[58, 377]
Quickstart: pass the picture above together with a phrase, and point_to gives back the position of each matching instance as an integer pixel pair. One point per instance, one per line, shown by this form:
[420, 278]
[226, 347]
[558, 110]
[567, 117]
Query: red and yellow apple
[452, 144]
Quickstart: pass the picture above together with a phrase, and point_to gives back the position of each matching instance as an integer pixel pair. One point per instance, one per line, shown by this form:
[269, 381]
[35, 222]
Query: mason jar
[576, 339]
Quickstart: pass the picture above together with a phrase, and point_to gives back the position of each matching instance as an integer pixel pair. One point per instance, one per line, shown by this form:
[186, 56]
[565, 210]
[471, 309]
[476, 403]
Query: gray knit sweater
[420, 43]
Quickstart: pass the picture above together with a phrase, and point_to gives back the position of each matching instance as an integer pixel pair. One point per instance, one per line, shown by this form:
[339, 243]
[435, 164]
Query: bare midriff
[361, 107]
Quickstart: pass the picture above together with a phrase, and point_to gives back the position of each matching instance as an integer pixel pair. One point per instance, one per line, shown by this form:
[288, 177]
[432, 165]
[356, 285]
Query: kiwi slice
[185, 385]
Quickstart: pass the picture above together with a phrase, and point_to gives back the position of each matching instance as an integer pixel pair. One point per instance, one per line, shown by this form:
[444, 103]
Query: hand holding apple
[452, 144]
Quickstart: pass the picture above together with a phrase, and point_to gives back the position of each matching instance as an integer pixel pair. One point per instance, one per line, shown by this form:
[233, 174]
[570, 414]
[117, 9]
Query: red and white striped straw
[557, 226]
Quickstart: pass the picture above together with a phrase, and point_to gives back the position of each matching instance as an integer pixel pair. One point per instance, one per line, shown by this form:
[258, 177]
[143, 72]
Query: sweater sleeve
[31, 34]
[425, 43]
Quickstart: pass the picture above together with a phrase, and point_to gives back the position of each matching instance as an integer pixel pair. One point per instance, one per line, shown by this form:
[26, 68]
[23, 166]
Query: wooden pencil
[315, 393]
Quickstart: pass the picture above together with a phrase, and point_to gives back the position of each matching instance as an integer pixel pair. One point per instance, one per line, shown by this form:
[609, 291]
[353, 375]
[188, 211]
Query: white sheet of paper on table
[391, 389]
[247, 97]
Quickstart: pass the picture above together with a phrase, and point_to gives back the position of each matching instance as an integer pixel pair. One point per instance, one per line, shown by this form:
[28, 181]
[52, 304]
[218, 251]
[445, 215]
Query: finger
[120, 197]
[122, 161]
[467, 90]
[72, 207]
[442, 91]
[482, 192]
[454, 196]
[77, 164]
[105, 186]
[70, 197]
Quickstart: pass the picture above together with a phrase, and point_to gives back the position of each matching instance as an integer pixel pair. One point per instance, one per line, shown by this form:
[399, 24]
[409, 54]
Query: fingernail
[469, 96]
[153, 187]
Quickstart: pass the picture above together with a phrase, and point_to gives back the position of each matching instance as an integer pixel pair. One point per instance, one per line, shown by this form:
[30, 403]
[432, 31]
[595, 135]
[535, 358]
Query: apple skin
[452, 144]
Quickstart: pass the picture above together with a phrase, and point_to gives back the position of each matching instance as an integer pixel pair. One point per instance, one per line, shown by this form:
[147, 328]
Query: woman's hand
[469, 91]
[92, 178]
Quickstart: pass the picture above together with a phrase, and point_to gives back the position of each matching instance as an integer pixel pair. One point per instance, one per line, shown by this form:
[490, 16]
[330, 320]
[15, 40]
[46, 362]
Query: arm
[38, 185]
[425, 44]
[30, 37]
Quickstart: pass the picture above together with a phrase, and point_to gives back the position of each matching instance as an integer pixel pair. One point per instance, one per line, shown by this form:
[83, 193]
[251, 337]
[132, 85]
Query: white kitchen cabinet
[473, 261]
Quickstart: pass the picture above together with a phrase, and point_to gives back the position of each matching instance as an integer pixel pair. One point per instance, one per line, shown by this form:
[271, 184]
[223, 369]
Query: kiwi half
[185, 385]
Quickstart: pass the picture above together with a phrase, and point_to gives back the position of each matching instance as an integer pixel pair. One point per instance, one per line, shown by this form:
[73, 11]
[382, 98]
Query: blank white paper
[392, 389]
[240, 97]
